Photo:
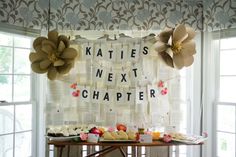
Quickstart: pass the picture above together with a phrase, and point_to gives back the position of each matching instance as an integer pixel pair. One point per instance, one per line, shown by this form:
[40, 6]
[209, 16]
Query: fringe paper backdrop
[147, 112]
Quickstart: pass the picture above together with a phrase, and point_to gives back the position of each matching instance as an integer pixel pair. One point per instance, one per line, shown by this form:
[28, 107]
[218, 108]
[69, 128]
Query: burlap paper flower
[53, 55]
[176, 47]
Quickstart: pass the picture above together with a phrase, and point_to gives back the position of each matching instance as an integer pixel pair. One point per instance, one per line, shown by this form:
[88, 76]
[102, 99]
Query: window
[226, 104]
[16, 106]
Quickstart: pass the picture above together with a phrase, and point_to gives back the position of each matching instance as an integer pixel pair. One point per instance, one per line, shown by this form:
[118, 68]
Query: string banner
[117, 52]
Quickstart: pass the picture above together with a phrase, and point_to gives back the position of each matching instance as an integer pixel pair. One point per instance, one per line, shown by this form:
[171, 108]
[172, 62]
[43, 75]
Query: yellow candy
[156, 135]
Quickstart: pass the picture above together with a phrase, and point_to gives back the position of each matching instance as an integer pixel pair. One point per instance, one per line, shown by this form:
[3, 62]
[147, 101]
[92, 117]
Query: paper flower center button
[52, 57]
[176, 48]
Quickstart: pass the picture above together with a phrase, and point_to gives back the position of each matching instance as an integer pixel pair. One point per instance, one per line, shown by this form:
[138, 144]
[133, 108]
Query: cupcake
[72, 132]
[51, 132]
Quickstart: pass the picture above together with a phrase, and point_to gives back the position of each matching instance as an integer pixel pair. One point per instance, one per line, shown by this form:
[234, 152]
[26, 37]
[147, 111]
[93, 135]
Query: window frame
[216, 41]
[32, 97]
[218, 102]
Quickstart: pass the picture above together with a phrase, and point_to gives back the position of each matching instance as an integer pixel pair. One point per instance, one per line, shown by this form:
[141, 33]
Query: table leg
[122, 151]
[168, 149]
[47, 152]
[100, 151]
[60, 151]
[134, 151]
[108, 151]
[68, 151]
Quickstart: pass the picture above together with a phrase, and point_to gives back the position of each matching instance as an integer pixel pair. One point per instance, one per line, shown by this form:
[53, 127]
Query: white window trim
[40, 85]
[15, 31]
[223, 34]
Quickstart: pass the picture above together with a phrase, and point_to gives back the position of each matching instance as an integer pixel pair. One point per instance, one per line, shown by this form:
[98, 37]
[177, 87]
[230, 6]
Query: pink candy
[167, 138]
[111, 129]
[83, 136]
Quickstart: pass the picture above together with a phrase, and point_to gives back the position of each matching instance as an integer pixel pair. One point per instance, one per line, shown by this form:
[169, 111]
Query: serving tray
[191, 140]
[63, 138]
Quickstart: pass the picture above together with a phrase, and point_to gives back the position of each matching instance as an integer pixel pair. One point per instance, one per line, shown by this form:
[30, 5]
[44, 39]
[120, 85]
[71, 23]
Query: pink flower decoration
[164, 91]
[83, 136]
[76, 93]
[110, 129]
[167, 138]
[205, 134]
[160, 83]
[73, 85]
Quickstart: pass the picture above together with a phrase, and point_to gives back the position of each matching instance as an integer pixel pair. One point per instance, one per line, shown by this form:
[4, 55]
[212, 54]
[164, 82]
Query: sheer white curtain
[219, 113]
[210, 57]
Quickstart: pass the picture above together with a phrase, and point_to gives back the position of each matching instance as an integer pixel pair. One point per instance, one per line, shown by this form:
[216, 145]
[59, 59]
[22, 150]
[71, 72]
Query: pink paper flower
[76, 93]
[167, 138]
[205, 134]
[83, 136]
[164, 91]
[160, 84]
[73, 85]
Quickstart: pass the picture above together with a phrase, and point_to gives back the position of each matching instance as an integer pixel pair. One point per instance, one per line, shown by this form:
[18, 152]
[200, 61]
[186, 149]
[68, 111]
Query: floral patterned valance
[219, 14]
[119, 14]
